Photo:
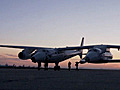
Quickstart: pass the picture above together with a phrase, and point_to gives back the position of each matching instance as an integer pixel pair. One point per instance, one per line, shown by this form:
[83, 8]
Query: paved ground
[31, 79]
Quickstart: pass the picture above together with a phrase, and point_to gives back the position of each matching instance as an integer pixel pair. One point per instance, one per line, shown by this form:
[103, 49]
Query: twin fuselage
[94, 55]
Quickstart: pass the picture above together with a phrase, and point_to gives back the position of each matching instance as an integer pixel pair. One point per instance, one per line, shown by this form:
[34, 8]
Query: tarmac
[32, 79]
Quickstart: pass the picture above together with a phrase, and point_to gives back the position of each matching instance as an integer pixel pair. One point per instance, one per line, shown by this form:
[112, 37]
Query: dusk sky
[58, 23]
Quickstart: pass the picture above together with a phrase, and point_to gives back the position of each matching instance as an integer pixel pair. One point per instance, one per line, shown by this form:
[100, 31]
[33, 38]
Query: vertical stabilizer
[82, 43]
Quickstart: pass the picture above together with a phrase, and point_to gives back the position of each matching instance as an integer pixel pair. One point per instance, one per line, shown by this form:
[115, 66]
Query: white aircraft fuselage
[53, 56]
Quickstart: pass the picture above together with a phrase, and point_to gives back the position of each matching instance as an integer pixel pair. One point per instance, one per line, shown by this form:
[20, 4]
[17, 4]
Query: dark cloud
[8, 57]
[2, 56]
[11, 55]
[12, 59]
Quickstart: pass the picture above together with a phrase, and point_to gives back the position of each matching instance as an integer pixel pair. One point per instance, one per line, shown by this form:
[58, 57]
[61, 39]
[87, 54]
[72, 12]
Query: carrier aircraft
[45, 55]
[96, 54]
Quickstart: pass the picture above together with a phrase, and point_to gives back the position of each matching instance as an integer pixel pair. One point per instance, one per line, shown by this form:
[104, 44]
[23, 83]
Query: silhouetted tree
[6, 65]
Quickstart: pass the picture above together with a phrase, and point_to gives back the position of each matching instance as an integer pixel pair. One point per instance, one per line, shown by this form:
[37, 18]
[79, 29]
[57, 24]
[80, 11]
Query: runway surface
[31, 79]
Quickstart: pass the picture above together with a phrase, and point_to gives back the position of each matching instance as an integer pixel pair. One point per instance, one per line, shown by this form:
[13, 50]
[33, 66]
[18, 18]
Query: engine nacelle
[39, 56]
[25, 54]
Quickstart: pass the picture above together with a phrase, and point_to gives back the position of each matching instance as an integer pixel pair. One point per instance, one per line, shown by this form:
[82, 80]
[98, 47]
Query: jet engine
[39, 56]
[25, 54]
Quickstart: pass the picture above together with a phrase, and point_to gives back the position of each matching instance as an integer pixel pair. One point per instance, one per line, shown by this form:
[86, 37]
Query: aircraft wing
[76, 48]
[61, 49]
[90, 46]
[66, 48]
[113, 46]
[23, 47]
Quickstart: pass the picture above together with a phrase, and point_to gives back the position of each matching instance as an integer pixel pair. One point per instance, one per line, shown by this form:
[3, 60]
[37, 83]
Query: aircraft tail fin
[82, 43]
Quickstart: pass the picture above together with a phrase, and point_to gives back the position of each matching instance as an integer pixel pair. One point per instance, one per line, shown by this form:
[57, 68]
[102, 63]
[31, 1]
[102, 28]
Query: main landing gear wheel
[56, 67]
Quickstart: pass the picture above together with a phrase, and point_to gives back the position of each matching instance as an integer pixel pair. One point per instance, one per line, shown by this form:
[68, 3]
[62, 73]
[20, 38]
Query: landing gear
[46, 66]
[56, 67]
[39, 65]
[76, 64]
